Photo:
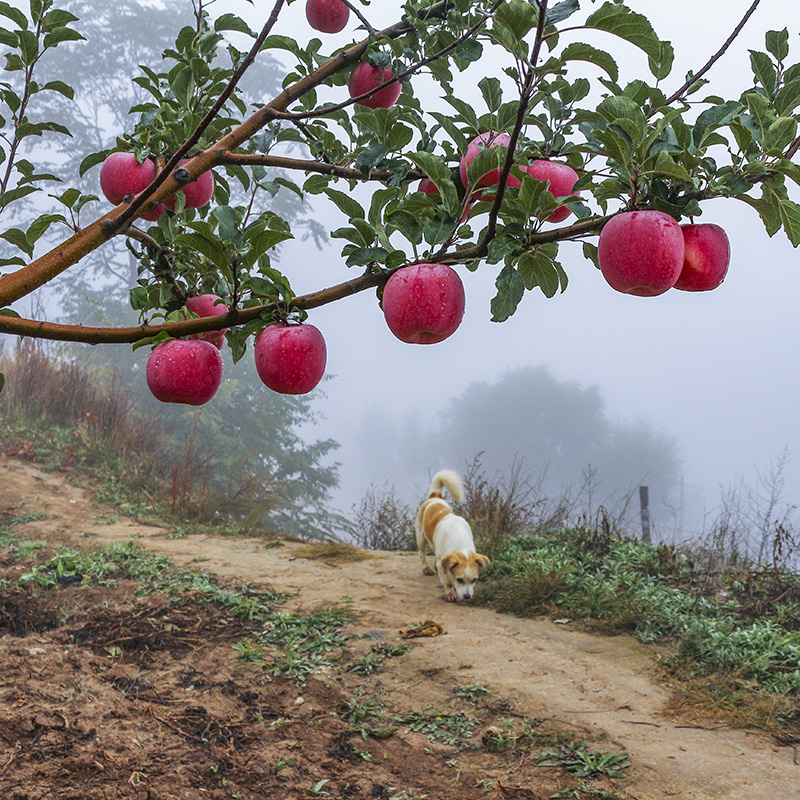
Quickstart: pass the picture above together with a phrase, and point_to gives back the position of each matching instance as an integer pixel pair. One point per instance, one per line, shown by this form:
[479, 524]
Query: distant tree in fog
[558, 429]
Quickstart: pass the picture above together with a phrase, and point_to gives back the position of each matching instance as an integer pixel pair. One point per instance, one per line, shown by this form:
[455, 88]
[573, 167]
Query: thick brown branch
[97, 335]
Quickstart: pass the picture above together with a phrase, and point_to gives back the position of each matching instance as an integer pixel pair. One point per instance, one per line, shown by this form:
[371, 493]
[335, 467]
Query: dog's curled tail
[450, 480]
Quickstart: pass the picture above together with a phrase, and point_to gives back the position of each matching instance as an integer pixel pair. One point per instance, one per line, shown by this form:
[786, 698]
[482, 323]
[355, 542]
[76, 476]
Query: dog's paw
[428, 571]
[451, 596]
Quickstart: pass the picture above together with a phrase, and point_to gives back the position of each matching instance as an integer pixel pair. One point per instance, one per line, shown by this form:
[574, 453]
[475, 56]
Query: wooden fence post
[644, 502]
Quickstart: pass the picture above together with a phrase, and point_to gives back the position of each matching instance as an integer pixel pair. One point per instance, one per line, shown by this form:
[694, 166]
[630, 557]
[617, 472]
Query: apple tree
[550, 145]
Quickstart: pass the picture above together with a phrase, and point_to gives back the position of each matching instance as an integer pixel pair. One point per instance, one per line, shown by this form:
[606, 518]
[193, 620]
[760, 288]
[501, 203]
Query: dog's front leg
[447, 582]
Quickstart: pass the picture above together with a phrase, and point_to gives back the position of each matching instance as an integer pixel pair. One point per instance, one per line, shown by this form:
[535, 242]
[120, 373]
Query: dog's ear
[452, 560]
[483, 561]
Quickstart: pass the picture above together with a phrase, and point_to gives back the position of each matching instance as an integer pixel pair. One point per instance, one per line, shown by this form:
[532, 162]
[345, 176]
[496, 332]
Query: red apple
[328, 16]
[121, 175]
[492, 178]
[208, 305]
[366, 77]
[290, 359]
[562, 178]
[641, 252]
[184, 371]
[706, 258]
[197, 192]
[423, 303]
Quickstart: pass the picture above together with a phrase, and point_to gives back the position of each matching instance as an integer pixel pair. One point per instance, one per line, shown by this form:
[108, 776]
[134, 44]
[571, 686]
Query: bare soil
[106, 694]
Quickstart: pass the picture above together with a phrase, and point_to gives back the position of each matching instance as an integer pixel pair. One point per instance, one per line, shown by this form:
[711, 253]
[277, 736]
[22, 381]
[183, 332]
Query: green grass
[747, 625]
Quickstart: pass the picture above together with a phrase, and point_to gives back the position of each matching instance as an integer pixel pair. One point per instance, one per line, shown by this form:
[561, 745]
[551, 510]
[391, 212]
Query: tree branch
[104, 335]
[324, 168]
[711, 61]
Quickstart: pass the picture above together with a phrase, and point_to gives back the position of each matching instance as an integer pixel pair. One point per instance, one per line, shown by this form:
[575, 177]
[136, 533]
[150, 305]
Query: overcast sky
[715, 370]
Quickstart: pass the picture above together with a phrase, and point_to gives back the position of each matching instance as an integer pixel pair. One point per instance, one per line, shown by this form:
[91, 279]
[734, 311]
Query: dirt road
[596, 685]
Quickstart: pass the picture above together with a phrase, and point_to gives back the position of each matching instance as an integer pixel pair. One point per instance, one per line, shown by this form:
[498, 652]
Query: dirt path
[596, 685]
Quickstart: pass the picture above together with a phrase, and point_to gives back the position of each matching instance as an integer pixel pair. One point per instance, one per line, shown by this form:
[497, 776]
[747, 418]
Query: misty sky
[716, 370]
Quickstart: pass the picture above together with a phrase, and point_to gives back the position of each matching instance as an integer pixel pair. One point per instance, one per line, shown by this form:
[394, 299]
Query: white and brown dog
[450, 538]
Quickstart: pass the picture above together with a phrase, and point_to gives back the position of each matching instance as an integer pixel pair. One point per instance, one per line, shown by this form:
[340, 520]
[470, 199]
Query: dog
[449, 537]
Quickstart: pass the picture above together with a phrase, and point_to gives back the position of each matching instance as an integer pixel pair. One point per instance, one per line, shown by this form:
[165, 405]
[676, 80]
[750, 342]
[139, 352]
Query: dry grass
[727, 700]
[333, 552]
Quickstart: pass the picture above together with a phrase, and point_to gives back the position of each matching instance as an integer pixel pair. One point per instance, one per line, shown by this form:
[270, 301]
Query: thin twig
[324, 168]
[711, 61]
[325, 110]
[364, 20]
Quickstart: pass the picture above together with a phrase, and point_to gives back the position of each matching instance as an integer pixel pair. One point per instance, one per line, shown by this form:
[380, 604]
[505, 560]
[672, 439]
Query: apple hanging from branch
[641, 252]
[327, 16]
[184, 371]
[290, 358]
[706, 257]
[423, 303]
[366, 77]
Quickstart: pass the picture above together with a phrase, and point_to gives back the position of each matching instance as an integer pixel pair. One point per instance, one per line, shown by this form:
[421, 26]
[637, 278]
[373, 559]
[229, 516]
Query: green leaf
[712, 118]
[779, 135]
[2, 381]
[539, 268]
[230, 22]
[768, 208]
[561, 11]
[41, 224]
[510, 289]
[346, 204]
[92, 160]
[666, 165]
[465, 110]
[361, 256]
[206, 247]
[790, 218]
[492, 93]
[59, 35]
[19, 239]
[619, 20]
[15, 15]
[622, 111]
[68, 198]
[487, 160]
[517, 18]
[764, 70]
[788, 97]
[590, 252]
[16, 194]
[662, 66]
[579, 51]
[371, 156]
[777, 43]
[60, 87]
[28, 46]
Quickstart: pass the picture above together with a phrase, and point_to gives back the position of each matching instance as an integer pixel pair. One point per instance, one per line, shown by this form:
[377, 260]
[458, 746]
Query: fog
[715, 372]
